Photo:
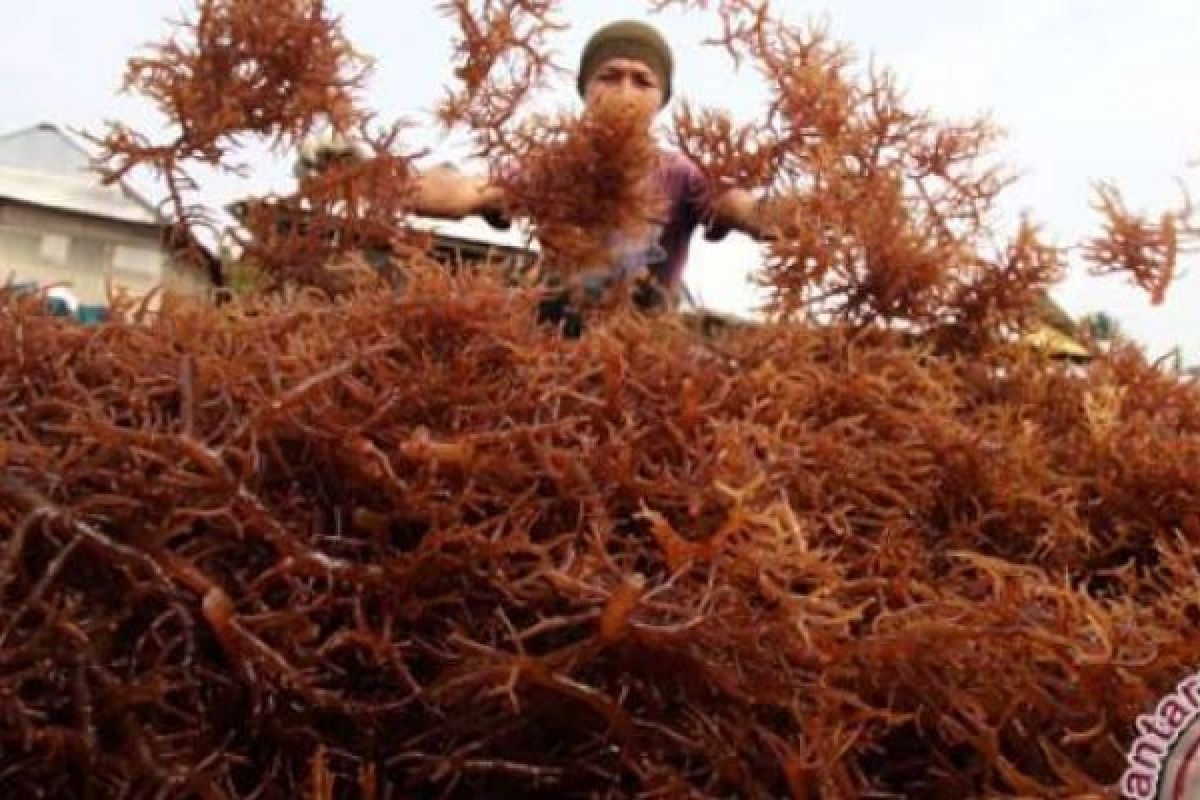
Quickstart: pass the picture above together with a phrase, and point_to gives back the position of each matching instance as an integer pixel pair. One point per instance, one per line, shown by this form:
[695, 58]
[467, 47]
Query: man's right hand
[492, 208]
[444, 192]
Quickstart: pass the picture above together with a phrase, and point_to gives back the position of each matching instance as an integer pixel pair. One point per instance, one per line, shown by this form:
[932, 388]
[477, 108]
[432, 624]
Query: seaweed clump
[353, 542]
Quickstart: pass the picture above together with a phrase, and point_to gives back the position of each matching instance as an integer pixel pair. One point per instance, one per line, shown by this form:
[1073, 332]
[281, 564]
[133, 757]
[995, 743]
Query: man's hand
[444, 192]
[737, 210]
[441, 192]
[492, 208]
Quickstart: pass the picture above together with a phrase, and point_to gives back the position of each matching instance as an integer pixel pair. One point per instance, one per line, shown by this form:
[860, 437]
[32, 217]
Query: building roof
[76, 195]
[46, 167]
[44, 148]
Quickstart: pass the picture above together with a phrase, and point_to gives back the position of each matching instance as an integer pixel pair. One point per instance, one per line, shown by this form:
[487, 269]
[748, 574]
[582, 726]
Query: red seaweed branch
[1148, 251]
[369, 543]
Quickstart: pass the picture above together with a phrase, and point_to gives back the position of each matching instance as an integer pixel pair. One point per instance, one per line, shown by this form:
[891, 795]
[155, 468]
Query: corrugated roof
[78, 195]
[46, 167]
[44, 148]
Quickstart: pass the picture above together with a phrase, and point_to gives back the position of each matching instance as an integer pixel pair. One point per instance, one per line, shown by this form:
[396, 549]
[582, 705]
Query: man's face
[628, 82]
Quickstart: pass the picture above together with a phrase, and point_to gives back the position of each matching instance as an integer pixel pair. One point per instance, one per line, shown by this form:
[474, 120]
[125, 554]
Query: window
[18, 246]
[55, 248]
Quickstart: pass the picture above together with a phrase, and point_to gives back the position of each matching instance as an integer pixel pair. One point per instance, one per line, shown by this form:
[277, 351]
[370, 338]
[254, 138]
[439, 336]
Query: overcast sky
[1086, 89]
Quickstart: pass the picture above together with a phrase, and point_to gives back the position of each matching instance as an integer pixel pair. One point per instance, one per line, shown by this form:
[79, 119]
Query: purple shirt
[688, 205]
[665, 253]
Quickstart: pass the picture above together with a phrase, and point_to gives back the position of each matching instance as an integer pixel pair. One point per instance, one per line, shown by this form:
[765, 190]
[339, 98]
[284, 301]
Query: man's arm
[441, 192]
[445, 193]
[738, 210]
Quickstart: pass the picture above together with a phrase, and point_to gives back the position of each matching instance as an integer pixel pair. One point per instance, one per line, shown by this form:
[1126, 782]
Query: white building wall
[51, 247]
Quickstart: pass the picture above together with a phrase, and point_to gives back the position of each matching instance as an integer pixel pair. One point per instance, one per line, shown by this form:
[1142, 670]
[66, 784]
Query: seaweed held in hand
[348, 542]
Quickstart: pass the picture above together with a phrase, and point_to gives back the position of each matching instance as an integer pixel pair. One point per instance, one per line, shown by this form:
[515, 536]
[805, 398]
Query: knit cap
[630, 39]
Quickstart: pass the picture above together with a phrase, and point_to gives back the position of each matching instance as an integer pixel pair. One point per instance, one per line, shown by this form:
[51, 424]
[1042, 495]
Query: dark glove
[716, 232]
[497, 219]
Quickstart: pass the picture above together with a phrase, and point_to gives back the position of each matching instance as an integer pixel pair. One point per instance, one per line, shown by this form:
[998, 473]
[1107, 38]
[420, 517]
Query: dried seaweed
[503, 54]
[352, 542]
[314, 236]
[415, 537]
[1129, 243]
[239, 69]
[580, 181]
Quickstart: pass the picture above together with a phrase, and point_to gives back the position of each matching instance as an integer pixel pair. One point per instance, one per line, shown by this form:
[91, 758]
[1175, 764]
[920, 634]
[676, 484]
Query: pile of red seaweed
[364, 543]
[394, 546]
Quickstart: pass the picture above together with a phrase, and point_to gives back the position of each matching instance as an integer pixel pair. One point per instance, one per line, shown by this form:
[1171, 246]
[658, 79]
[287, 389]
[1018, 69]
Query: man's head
[628, 61]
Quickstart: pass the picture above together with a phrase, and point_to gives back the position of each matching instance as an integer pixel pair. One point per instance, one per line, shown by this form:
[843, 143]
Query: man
[629, 62]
